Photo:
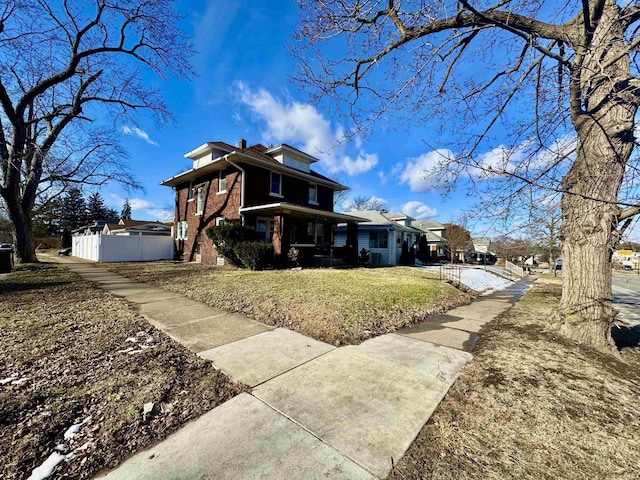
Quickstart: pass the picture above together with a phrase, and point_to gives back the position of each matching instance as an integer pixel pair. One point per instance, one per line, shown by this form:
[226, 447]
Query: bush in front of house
[228, 236]
[254, 255]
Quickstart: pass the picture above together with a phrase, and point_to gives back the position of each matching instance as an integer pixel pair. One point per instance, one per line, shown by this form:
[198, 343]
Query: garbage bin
[6, 258]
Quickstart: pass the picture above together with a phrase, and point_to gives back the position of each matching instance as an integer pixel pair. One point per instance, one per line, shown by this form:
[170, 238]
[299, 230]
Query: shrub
[294, 257]
[227, 237]
[405, 256]
[364, 256]
[254, 255]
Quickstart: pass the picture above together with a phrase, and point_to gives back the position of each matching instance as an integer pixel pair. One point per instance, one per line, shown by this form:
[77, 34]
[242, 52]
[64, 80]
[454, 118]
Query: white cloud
[419, 210]
[141, 209]
[383, 178]
[140, 204]
[303, 126]
[138, 132]
[420, 173]
[364, 163]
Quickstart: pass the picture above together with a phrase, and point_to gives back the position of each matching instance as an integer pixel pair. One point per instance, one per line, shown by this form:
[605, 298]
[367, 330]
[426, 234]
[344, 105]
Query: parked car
[627, 267]
[64, 252]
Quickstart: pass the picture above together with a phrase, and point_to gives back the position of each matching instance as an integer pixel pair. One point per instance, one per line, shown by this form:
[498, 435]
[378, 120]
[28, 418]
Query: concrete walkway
[316, 411]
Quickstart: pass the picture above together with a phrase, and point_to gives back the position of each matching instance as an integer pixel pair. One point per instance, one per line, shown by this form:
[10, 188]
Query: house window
[222, 182]
[200, 197]
[313, 194]
[276, 184]
[264, 227]
[378, 239]
[182, 228]
[198, 246]
[319, 233]
[219, 221]
[190, 192]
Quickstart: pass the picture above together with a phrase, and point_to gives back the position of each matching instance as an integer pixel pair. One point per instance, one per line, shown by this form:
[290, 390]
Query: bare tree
[64, 66]
[559, 82]
[361, 203]
[458, 239]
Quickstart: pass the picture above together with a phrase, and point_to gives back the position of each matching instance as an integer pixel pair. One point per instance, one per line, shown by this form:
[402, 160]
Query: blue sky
[242, 89]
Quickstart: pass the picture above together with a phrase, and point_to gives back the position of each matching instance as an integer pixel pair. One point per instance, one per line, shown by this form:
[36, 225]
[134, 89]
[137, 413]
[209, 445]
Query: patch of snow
[45, 470]
[45, 413]
[126, 350]
[61, 447]
[73, 430]
[483, 281]
[20, 381]
[131, 339]
[4, 381]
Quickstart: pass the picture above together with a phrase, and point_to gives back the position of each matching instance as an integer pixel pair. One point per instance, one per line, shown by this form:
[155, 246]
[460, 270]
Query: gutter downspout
[242, 184]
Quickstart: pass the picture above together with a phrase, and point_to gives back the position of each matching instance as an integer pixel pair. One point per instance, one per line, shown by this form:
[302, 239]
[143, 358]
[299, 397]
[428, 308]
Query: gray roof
[427, 225]
[481, 241]
[376, 218]
[395, 216]
[433, 237]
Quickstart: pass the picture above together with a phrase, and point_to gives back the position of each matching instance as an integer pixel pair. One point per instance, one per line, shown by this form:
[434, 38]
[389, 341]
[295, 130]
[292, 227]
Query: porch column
[281, 234]
[352, 243]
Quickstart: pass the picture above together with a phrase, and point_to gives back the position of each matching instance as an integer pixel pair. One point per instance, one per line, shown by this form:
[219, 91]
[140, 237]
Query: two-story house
[272, 189]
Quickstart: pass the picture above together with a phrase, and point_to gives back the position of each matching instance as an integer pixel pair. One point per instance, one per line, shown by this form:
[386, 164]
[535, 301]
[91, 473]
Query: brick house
[273, 190]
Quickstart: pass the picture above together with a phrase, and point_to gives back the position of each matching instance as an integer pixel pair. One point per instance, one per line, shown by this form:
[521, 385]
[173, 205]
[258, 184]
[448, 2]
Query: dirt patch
[335, 306]
[74, 355]
[533, 405]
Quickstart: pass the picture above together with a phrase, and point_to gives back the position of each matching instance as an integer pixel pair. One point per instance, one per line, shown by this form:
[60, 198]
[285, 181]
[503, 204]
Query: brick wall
[216, 205]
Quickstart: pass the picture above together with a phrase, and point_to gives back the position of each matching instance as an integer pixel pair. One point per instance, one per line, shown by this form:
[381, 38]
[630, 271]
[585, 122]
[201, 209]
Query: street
[626, 297]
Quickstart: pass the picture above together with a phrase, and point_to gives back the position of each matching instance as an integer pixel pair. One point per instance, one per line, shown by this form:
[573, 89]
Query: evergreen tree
[97, 210]
[73, 211]
[126, 210]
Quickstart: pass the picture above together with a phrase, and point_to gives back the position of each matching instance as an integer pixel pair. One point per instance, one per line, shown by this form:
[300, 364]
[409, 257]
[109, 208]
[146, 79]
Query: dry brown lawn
[72, 353]
[335, 306]
[531, 405]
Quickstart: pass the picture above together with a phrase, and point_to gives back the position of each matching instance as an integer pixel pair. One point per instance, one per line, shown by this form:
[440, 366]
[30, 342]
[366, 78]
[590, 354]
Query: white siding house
[382, 236]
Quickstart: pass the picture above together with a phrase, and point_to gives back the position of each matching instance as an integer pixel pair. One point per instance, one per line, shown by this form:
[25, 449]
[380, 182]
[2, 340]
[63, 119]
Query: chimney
[242, 144]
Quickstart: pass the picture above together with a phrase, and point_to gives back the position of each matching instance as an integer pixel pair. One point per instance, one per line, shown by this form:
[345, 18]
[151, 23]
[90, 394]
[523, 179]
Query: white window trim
[190, 196]
[275, 194]
[199, 192]
[315, 186]
[183, 230]
[220, 221]
[221, 192]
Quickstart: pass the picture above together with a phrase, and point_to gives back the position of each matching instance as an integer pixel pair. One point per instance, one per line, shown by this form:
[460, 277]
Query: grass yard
[532, 405]
[335, 306]
[72, 354]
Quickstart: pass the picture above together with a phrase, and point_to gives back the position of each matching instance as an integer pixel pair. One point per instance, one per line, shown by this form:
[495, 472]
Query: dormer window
[313, 193]
[276, 184]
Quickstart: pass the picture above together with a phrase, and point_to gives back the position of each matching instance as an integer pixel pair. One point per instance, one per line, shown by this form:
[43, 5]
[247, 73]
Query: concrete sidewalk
[316, 411]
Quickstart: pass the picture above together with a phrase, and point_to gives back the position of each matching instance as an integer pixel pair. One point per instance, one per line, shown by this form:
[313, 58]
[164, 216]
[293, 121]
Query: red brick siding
[222, 205]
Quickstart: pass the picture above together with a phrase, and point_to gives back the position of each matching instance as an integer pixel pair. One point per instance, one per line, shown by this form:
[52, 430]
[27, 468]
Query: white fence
[513, 268]
[122, 248]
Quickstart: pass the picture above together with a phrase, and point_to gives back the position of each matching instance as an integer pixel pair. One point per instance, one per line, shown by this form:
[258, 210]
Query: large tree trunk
[604, 126]
[25, 248]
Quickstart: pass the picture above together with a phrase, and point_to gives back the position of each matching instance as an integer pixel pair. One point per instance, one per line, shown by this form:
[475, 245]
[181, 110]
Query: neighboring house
[382, 235]
[435, 234]
[136, 227]
[272, 189]
[95, 227]
[481, 244]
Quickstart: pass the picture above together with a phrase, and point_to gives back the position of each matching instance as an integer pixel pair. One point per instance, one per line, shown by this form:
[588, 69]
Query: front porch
[310, 231]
